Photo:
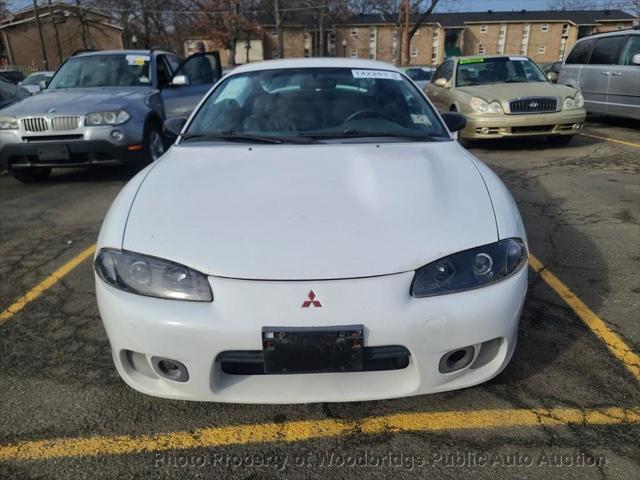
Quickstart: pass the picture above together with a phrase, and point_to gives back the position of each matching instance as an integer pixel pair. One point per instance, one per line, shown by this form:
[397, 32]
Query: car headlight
[470, 269]
[151, 276]
[8, 123]
[578, 100]
[107, 118]
[482, 106]
[573, 103]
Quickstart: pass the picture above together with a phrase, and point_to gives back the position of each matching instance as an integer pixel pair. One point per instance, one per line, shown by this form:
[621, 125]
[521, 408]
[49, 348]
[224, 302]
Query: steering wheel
[366, 113]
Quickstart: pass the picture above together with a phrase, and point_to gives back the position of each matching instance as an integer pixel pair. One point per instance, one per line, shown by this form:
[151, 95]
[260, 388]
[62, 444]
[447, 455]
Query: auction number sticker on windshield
[518, 59]
[137, 59]
[374, 74]
[471, 60]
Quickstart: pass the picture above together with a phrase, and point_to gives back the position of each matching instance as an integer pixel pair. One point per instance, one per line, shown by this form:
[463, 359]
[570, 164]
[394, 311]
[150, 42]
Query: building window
[483, 29]
[436, 34]
[354, 32]
[307, 53]
[481, 50]
[354, 53]
[544, 27]
[565, 30]
[542, 49]
[372, 42]
[414, 52]
[619, 26]
[434, 55]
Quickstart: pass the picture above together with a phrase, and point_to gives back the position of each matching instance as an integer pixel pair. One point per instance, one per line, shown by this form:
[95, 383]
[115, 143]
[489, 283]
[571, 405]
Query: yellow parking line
[296, 431]
[51, 280]
[609, 139]
[613, 342]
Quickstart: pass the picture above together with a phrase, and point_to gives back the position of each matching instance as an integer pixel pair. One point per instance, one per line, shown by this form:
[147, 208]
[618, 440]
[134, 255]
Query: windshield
[484, 71]
[121, 70]
[418, 74]
[316, 103]
[35, 78]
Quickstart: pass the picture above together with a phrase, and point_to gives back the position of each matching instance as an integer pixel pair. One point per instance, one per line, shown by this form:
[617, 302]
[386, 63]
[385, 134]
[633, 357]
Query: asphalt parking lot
[567, 406]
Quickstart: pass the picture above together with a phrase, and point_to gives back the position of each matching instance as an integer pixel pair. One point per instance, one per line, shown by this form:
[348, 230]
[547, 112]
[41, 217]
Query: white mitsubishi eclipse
[314, 235]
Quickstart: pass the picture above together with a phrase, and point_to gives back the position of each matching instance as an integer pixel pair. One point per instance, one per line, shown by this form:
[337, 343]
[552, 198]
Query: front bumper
[485, 126]
[86, 146]
[195, 334]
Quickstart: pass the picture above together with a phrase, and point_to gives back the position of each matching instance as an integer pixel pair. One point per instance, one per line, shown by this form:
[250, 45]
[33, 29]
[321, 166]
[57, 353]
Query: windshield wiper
[352, 133]
[246, 137]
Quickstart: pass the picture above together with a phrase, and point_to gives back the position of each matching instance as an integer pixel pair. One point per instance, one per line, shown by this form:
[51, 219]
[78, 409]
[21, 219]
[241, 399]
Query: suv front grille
[65, 123]
[35, 124]
[533, 105]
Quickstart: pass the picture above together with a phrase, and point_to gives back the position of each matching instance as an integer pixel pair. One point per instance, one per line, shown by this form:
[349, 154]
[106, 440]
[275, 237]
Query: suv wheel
[31, 175]
[560, 140]
[153, 143]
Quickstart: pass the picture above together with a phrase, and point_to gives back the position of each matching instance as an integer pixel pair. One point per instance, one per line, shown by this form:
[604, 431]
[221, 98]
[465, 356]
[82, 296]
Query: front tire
[154, 144]
[31, 175]
[560, 140]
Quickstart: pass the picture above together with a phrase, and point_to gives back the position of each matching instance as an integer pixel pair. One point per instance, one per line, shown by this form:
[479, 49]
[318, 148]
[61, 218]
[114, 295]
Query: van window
[607, 50]
[631, 48]
[581, 52]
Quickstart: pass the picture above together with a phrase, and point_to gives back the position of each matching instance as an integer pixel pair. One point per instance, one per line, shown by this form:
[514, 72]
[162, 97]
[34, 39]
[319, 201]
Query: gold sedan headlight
[482, 106]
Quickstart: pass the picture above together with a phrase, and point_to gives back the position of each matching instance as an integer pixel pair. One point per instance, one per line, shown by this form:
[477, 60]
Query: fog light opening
[484, 130]
[456, 359]
[577, 126]
[117, 135]
[170, 369]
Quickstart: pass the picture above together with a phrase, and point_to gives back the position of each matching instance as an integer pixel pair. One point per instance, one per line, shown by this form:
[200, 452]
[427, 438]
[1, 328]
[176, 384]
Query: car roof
[315, 63]
[118, 52]
[490, 56]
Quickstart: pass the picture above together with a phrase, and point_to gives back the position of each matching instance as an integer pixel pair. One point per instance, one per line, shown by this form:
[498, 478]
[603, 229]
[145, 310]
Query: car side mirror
[179, 80]
[454, 121]
[173, 127]
[552, 76]
[42, 84]
[441, 82]
[636, 59]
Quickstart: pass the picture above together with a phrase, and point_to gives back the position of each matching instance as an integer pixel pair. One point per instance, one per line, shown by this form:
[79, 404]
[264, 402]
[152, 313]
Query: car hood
[77, 101]
[510, 91]
[289, 212]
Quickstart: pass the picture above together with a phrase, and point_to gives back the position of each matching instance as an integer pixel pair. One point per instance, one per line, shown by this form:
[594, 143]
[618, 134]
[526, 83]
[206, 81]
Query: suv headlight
[8, 123]
[151, 276]
[482, 106]
[107, 118]
[573, 103]
[470, 269]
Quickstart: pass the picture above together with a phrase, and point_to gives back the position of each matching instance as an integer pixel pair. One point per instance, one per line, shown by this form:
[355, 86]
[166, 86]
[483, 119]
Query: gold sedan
[506, 96]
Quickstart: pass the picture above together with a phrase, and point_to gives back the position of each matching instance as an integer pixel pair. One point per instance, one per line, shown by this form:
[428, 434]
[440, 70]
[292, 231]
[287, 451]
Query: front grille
[35, 124]
[53, 138]
[532, 129]
[533, 105]
[65, 123]
[251, 362]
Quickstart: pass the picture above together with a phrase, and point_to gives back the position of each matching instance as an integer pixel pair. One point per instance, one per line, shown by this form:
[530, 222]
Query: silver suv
[101, 108]
[606, 69]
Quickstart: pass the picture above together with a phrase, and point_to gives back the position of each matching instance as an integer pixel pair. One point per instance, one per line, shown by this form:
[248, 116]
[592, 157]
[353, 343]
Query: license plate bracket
[53, 152]
[313, 349]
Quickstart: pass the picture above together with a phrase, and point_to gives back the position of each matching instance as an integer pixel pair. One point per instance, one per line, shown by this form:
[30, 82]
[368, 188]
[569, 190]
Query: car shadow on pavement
[95, 174]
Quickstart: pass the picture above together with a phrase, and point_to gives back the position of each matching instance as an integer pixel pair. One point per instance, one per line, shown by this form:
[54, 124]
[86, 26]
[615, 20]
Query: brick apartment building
[62, 25]
[545, 36]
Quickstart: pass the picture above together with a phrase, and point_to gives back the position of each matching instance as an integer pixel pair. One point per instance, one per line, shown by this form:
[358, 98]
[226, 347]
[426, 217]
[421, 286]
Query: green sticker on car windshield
[471, 60]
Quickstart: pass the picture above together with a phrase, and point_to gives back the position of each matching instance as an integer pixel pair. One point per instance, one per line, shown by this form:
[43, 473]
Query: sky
[468, 5]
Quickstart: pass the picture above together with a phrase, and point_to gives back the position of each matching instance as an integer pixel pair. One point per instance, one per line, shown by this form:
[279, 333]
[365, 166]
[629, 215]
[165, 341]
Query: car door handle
[605, 73]
[616, 74]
